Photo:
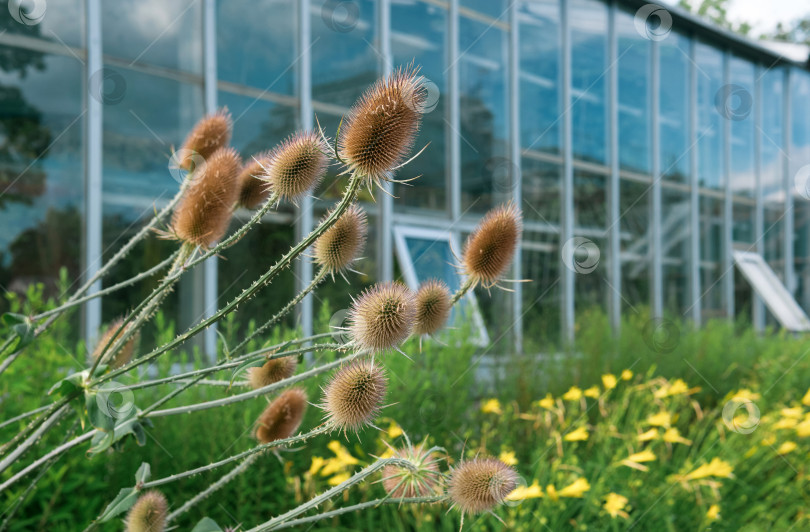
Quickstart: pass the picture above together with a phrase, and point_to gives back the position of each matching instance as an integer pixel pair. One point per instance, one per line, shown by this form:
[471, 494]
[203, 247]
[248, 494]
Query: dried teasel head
[433, 306]
[381, 128]
[296, 166]
[211, 133]
[339, 245]
[382, 317]
[124, 354]
[353, 397]
[205, 210]
[252, 190]
[272, 371]
[480, 484]
[148, 514]
[421, 481]
[282, 417]
[490, 248]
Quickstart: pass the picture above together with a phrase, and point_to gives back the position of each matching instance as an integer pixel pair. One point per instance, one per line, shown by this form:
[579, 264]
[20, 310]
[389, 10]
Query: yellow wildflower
[713, 513]
[744, 395]
[715, 468]
[787, 447]
[793, 413]
[576, 489]
[636, 460]
[341, 453]
[394, 430]
[578, 434]
[546, 402]
[551, 491]
[806, 398]
[331, 466]
[491, 406]
[522, 493]
[592, 392]
[651, 434]
[661, 419]
[673, 435]
[508, 458]
[317, 464]
[803, 429]
[785, 423]
[678, 387]
[339, 478]
[609, 381]
[389, 453]
[627, 375]
[615, 504]
[573, 394]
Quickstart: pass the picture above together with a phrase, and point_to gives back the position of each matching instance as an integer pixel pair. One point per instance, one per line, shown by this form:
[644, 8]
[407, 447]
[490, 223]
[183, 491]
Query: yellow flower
[806, 398]
[785, 423]
[546, 402]
[579, 434]
[636, 459]
[793, 413]
[592, 392]
[526, 492]
[678, 387]
[744, 395]
[574, 394]
[551, 491]
[787, 447]
[331, 466]
[341, 453]
[803, 429]
[651, 434]
[615, 504]
[661, 419]
[715, 468]
[317, 464]
[576, 489]
[713, 513]
[627, 375]
[609, 381]
[508, 458]
[389, 453]
[673, 435]
[394, 430]
[339, 478]
[491, 406]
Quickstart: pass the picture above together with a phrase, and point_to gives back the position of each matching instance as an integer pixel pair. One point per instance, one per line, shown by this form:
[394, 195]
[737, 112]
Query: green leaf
[68, 385]
[245, 365]
[143, 474]
[122, 502]
[11, 319]
[98, 416]
[206, 524]
[101, 442]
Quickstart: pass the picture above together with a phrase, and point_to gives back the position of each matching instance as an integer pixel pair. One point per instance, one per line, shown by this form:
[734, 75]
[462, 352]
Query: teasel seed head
[211, 133]
[274, 370]
[382, 317]
[282, 417]
[126, 352]
[205, 210]
[148, 514]
[253, 192]
[480, 484]
[341, 244]
[433, 306]
[381, 127]
[422, 481]
[353, 397]
[489, 250]
[296, 166]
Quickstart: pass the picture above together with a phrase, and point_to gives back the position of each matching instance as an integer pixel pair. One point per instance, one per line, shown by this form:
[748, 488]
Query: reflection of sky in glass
[709, 62]
[61, 23]
[673, 106]
[800, 125]
[742, 129]
[771, 135]
[634, 95]
[588, 80]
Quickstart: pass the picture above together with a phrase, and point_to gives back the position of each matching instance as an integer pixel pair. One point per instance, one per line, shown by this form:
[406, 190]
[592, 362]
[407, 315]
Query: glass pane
[590, 203]
[243, 42]
[774, 240]
[61, 21]
[636, 248]
[799, 173]
[743, 223]
[485, 171]
[772, 142]
[675, 235]
[541, 183]
[169, 36]
[419, 35]
[588, 80]
[41, 170]
[344, 61]
[258, 125]
[634, 95]
[674, 107]
[496, 9]
[738, 108]
[711, 245]
[540, 75]
[589, 247]
[709, 63]
[541, 297]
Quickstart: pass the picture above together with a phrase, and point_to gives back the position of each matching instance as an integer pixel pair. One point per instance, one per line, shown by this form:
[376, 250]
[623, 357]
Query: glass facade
[653, 156]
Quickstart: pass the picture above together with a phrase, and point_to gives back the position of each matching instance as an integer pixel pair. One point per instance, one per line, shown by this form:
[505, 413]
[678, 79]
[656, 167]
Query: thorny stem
[36, 422]
[23, 416]
[462, 291]
[32, 439]
[361, 506]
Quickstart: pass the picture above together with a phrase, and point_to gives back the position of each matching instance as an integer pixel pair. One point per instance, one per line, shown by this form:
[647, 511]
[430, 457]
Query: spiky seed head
[274, 370]
[480, 484]
[339, 245]
[433, 306]
[490, 248]
[252, 190]
[148, 514]
[353, 397]
[381, 127]
[205, 210]
[296, 166]
[124, 354]
[282, 417]
[382, 317]
[422, 481]
[211, 133]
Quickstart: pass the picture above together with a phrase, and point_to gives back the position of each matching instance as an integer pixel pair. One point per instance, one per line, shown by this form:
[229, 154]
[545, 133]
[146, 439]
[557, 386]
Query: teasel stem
[358, 477]
[349, 195]
[235, 472]
[24, 415]
[469, 283]
[35, 435]
[244, 454]
[356, 507]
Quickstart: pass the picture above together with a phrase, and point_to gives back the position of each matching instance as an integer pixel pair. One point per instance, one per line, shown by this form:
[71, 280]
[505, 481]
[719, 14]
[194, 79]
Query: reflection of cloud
[153, 18]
